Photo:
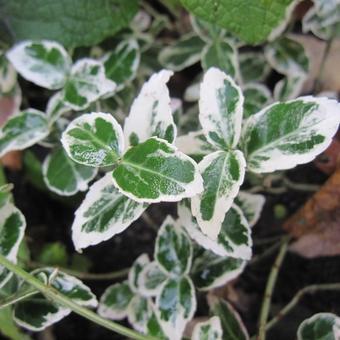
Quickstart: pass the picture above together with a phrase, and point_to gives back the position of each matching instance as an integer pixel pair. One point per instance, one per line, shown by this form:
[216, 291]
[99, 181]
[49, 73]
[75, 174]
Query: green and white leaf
[208, 330]
[135, 271]
[94, 139]
[173, 249]
[8, 75]
[211, 271]
[56, 107]
[220, 54]
[156, 171]
[151, 114]
[122, 63]
[86, 84]
[104, 213]
[321, 326]
[151, 279]
[44, 63]
[220, 109]
[115, 301]
[139, 312]
[256, 96]
[272, 140]
[287, 56]
[23, 130]
[176, 305]
[154, 328]
[205, 30]
[232, 325]
[253, 67]
[289, 87]
[185, 52]
[223, 173]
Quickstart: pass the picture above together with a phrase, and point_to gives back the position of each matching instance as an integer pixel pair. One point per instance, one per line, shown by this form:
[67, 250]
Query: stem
[14, 298]
[149, 221]
[300, 186]
[270, 288]
[58, 298]
[267, 252]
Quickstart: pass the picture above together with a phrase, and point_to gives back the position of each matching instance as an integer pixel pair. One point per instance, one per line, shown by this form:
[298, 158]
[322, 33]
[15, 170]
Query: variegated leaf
[56, 107]
[253, 67]
[8, 75]
[256, 96]
[208, 330]
[139, 312]
[289, 87]
[154, 328]
[205, 30]
[135, 271]
[221, 109]
[272, 140]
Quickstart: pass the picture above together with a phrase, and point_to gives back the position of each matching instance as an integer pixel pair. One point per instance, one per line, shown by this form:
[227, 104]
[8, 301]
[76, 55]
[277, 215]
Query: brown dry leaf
[316, 226]
[329, 160]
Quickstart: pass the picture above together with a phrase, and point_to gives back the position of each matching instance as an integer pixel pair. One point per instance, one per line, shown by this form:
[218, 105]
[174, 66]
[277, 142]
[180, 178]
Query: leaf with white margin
[135, 271]
[44, 63]
[256, 96]
[251, 206]
[104, 213]
[64, 176]
[23, 130]
[154, 328]
[220, 54]
[220, 109]
[232, 325]
[253, 67]
[234, 239]
[185, 52]
[192, 92]
[94, 139]
[156, 171]
[176, 305]
[122, 63]
[86, 84]
[289, 87]
[205, 30]
[321, 326]
[139, 312]
[173, 249]
[150, 113]
[211, 271]
[208, 330]
[8, 75]
[56, 107]
[115, 301]
[284, 135]
[194, 144]
[151, 279]
[223, 173]
[37, 312]
[287, 56]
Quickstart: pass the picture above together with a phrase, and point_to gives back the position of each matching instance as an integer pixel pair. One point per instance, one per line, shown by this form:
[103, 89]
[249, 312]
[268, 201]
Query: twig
[266, 253]
[300, 186]
[270, 288]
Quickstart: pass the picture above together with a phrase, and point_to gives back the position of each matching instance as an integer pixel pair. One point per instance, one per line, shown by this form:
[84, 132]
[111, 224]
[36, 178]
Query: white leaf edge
[214, 322]
[254, 202]
[131, 315]
[142, 260]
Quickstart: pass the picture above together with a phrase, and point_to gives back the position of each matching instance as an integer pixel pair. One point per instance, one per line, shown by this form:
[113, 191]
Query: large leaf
[86, 84]
[173, 249]
[176, 305]
[286, 134]
[208, 330]
[251, 22]
[44, 63]
[103, 213]
[156, 171]
[223, 173]
[64, 176]
[221, 109]
[93, 22]
[23, 130]
[321, 326]
[94, 139]
[150, 113]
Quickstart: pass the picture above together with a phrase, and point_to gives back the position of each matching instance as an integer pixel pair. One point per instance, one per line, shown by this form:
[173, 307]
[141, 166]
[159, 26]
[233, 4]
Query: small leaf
[135, 271]
[115, 301]
[185, 52]
[122, 63]
[150, 114]
[232, 325]
[23, 130]
[8, 75]
[155, 171]
[56, 107]
[103, 213]
[321, 326]
[86, 84]
[64, 176]
[44, 63]
[53, 254]
[253, 67]
[256, 96]
[154, 328]
[176, 305]
[289, 87]
[151, 279]
[208, 330]
[173, 250]
[287, 56]
[205, 30]
[223, 173]
[221, 109]
[94, 139]
[272, 140]
[139, 312]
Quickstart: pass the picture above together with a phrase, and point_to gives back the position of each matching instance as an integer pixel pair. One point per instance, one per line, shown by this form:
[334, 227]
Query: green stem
[270, 288]
[14, 298]
[59, 298]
